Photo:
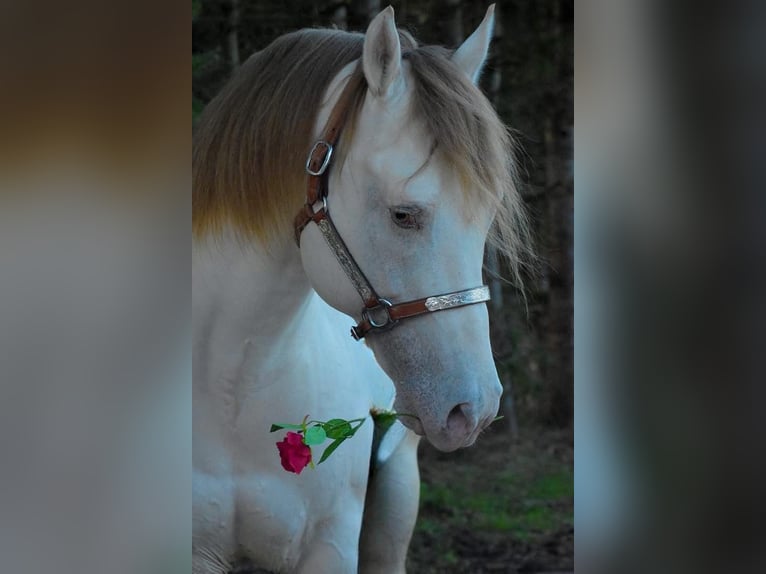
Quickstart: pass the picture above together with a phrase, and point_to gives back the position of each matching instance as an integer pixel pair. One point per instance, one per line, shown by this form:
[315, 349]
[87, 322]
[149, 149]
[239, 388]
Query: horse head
[423, 170]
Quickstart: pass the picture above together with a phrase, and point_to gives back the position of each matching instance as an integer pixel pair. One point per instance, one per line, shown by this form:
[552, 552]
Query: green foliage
[438, 495]
[431, 526]
[202, 61]
[525, 510]
[337, 428]
[314, 435]
[341, 430]
[280, 426]
[197, 107]
[331, 449]
[450, 557]
[554, 486]
[383, 419]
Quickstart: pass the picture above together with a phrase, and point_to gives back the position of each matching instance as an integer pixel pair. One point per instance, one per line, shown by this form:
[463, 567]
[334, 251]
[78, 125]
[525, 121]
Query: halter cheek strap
[377, 313]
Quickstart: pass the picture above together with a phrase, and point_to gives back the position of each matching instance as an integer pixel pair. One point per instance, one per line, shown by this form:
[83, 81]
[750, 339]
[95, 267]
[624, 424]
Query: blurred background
[506, 504]
[95, 401]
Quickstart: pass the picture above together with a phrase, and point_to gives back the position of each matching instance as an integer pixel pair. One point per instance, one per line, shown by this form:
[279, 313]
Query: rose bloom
[294, 454]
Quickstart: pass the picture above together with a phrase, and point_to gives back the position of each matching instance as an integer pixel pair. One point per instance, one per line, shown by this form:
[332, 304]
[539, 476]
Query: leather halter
[377, 313]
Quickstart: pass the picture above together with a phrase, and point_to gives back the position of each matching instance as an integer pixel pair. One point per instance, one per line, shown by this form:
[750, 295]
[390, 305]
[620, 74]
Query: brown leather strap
[319, 162]
[305, 216]
[396, 313]
[320, 156]
[408, 309]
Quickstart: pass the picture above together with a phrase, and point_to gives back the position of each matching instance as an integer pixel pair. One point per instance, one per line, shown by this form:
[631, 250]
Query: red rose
[294, 454]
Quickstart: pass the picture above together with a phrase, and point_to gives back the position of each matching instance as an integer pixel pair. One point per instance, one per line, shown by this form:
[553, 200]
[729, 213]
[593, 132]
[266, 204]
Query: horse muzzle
[454, 426]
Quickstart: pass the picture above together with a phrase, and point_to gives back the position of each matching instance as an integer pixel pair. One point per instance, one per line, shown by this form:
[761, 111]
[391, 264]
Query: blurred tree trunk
[455, 34]
[339, 17]
[232, 37]
[493, 81]
[558, 313]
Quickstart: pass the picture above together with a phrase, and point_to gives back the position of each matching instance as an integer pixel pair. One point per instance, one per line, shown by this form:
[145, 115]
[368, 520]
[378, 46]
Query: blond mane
[251, 143]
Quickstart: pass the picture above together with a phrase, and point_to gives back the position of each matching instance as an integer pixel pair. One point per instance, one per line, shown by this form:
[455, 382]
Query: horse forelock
[251, 143]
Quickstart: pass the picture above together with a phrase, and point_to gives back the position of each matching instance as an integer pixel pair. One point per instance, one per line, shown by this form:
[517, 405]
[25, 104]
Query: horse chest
[247, 508]
[258, 513]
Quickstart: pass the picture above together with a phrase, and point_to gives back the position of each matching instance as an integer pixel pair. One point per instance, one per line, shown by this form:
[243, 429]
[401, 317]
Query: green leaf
[353, 431]
[280, 426]
[314, 435]
[331, 449]
[337, 428]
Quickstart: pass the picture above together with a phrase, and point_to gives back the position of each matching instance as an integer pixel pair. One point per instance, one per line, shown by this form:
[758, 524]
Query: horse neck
[245, 296]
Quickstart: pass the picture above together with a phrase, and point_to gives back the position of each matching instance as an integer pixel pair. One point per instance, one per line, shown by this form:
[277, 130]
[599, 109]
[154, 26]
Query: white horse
[416, 179]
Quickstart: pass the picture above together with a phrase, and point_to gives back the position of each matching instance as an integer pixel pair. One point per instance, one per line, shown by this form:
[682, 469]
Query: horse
[341, 176]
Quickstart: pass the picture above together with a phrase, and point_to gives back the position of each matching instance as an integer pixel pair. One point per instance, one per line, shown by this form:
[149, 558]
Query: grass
[525, 510]
[496, 504]
[554, 486]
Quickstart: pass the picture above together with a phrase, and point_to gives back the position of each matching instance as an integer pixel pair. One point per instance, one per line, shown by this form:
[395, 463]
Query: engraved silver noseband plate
[441, 302]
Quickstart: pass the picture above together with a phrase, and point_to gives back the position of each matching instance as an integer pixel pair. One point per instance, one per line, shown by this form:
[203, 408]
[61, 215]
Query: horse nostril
[459, 419]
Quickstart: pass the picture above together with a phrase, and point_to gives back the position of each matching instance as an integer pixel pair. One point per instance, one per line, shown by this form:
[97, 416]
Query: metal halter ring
[384, 304]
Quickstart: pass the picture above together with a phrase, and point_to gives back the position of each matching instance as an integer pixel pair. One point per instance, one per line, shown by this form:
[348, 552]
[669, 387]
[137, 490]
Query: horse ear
[471, 56]
[382, 54]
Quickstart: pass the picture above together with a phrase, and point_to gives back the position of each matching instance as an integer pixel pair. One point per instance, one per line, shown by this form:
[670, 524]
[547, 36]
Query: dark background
[670, 259]
[506, 504]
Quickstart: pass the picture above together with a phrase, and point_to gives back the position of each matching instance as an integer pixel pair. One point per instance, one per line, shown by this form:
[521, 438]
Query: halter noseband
[378, 313]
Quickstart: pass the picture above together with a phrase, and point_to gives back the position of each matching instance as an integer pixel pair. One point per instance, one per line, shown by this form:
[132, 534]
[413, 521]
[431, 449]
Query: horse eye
[404, 219]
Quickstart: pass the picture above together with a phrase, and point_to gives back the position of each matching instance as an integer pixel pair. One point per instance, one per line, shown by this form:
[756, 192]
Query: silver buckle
[325, 162]
[385, 304]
